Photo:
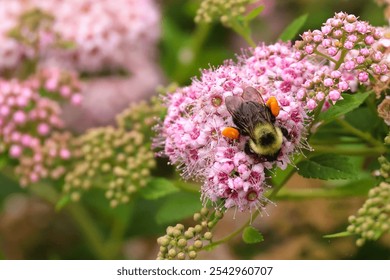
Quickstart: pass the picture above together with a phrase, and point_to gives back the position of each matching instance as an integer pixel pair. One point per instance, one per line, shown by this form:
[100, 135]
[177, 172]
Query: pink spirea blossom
[103, 31]
[197, 114]
[29, 114]
[355, 52]
[108, 36]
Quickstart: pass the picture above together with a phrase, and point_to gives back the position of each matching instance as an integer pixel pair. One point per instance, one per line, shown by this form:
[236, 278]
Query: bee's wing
[251, 94]
[233, 104]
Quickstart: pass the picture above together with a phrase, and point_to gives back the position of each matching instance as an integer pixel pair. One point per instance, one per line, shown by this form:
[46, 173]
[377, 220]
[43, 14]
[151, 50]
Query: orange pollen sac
[272, 103]
[231, 133]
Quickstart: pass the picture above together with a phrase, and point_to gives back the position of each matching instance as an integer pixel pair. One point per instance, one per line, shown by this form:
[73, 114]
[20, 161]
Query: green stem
[91, 233]
[363, 135]
[287, 177]
[244, 32]
[118, 230]
[233, 234]
[196, 43]
[202, 31]
[341, 59]
[79, 215]
[325, 56]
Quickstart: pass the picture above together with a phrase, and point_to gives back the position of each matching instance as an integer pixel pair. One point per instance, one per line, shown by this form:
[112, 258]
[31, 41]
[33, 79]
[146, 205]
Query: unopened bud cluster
[373, 219]
[184, 243]
[385, 167]
[115, 160]
[141, 117]
[222, 10]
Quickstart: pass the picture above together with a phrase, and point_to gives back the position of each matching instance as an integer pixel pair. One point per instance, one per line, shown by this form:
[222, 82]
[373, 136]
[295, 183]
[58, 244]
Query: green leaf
[292, 30]
[250, 235]
[177, 207]
[349, 103]
[254, 13]
[362, 118]
[211, 246]
[327, 166]
[337, 235]
[62, 202]
[157, 188]
[173, 40]
[3, 160]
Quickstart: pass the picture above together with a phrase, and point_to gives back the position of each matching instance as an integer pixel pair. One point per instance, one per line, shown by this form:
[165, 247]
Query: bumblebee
[256, 119]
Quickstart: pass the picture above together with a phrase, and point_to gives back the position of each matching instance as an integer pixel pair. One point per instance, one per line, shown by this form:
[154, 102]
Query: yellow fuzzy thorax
[261, 130]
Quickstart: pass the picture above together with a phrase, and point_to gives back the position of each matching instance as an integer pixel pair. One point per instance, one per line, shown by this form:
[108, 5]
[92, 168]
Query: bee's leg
[285, 132]
[242, 132]
[248, 149]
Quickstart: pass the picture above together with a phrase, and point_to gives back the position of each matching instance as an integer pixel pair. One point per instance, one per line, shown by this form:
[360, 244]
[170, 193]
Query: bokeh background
[171, 48]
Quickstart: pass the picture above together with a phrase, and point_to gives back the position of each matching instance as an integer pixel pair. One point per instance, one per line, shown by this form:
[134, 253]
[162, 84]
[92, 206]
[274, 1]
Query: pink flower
[19, 117]
[363, 77]
[334, 95]
[27, 121]
[65, 154]
[43, 129]
[361, 49]
[103, 33]
[15, 151]
[328, 82]
[311, 104]
[76, 99]
[191, 132]
[320, 96]
[349, 65]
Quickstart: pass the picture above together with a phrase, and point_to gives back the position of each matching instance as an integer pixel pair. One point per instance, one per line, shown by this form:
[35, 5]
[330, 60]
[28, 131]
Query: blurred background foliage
[31, 227]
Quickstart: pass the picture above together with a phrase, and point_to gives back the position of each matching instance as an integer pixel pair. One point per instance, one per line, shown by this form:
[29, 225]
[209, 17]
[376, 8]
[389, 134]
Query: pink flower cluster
[354, 52]
[191, 132]
[29, 114]
[25, 33]
[109, 37]
[59, 84]
[103, 30]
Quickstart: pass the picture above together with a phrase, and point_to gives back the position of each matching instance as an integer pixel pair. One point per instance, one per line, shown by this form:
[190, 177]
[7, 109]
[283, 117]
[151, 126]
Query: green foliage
[178, 206]
[3, 160]
[337, 235]
[62, 202]
[250, 235]
[349, 103]
[292, 30]
[372, 219]
[327, 167]
[253, 14]
[362, 118]
[157, 188]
